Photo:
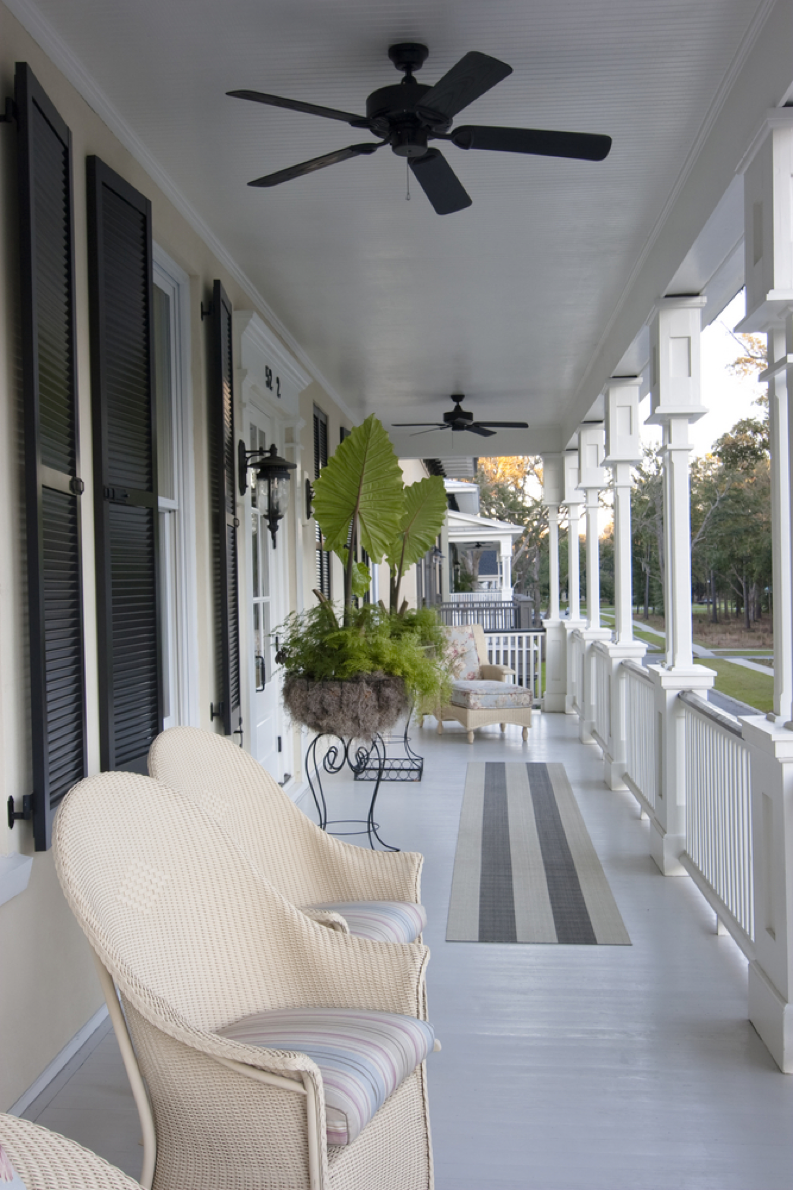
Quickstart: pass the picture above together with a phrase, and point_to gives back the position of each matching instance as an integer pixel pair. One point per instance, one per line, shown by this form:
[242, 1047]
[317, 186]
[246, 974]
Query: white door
[267, 570]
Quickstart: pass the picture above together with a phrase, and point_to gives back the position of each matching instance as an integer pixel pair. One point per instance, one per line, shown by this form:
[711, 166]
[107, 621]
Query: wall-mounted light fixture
[272, 482]
[309, 498]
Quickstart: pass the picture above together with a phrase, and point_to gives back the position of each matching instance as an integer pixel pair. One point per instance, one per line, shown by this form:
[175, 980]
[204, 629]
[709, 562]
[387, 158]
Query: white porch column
[768, 267]
[573, 625]
[674, 337]
[623, 450]
[592, 479]
[505, 551]
[555, 634]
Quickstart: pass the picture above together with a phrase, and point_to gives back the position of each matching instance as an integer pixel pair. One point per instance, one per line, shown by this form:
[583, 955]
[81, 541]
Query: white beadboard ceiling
[513, 301]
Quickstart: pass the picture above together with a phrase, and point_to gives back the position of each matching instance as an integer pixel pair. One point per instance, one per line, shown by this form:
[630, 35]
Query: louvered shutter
[46, 250]
[125, 469]
[221, 398]
[320, 459]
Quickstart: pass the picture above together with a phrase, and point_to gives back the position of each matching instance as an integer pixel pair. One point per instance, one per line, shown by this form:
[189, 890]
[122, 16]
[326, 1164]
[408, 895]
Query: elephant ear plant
[358, 669]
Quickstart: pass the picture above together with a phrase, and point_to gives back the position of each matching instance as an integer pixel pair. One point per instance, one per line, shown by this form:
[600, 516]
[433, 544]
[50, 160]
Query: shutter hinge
[215, 711]
[208, 312]
[280, 745]
[26, 813]
[9, 116]
[76, 485]
[120, 495]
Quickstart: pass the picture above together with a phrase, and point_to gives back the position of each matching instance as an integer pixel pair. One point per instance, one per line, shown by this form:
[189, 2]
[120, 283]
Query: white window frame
[175, 282]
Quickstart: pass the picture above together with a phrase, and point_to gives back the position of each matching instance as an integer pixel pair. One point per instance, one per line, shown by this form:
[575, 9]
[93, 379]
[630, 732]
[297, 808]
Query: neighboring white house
[467, 532]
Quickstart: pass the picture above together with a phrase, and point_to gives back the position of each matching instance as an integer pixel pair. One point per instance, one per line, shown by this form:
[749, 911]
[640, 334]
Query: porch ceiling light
[272, 482]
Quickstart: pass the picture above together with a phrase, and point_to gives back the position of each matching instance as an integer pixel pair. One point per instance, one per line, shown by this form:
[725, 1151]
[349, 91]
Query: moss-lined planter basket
[353, 709]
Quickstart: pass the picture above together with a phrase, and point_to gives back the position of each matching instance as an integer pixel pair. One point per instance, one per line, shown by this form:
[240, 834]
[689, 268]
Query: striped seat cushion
[381, 921]
[363, 1056]
[490, 696]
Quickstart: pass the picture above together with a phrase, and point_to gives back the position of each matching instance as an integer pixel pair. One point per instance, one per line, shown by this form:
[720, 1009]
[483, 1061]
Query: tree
[510, 489]
[647, 527]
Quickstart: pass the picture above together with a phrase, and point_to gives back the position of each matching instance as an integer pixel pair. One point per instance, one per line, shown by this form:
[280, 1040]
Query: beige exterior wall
[48, 989]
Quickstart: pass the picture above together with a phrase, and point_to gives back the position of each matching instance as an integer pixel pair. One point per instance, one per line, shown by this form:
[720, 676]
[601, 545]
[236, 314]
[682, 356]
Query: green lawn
[744, 684]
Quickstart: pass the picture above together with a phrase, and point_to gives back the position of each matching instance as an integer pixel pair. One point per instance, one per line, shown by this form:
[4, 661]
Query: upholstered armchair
[264, 1050]
[372, 894]
[480, 693]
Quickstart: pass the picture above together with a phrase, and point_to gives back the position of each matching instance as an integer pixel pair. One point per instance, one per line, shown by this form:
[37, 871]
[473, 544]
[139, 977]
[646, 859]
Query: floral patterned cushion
[489, 696]
[461, 650]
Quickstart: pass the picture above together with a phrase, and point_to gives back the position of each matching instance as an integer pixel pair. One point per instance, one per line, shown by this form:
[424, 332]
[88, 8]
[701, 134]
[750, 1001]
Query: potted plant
[354, 671]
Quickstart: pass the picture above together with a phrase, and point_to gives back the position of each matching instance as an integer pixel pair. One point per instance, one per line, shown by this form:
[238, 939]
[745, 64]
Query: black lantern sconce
[272, 482]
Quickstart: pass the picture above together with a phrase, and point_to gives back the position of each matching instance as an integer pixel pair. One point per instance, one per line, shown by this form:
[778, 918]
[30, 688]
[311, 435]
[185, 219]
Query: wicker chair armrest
[326, 917]
[495, 673]
[363, 875]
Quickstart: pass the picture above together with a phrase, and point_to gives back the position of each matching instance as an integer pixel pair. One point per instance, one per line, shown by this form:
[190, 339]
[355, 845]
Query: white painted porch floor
[563, 1068]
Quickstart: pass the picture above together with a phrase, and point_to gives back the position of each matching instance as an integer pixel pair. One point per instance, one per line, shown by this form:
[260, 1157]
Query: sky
[727, 398]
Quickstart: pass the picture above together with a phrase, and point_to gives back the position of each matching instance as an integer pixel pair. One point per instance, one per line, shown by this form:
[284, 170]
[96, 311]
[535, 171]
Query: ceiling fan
[408, 114]
[459, 420]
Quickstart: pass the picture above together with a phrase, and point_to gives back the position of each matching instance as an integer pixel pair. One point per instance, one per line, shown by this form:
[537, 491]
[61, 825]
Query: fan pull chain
[407, 175]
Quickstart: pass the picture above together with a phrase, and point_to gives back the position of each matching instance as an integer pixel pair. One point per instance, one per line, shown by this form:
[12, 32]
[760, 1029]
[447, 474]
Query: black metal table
[359, 757]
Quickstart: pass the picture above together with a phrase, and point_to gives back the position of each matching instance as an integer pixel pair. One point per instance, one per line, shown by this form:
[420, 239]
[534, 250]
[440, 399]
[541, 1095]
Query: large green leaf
[362, 475]
[422, 521]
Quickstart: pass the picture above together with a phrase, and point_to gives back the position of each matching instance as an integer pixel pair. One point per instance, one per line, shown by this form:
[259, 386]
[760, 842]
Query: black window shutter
[221, 403]
[320, 460]
[125, 469]
[52, 484]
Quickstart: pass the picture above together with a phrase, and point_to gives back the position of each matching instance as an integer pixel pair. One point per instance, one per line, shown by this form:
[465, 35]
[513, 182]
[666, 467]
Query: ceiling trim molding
[75, 73]
[722, 94]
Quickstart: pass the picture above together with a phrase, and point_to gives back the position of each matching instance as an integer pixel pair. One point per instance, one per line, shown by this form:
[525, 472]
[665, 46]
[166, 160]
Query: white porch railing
[718, 853]
[493, 615]
[578, 647]
[642, 748]
[477, 597]
[520, 651]
[601, 662]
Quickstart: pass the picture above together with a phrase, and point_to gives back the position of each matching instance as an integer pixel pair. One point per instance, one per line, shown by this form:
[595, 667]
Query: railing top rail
[701, 706]
[639, 671]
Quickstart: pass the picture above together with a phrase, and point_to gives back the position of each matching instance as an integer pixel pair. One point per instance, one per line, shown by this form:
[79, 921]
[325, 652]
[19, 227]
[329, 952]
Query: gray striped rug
[525, 868]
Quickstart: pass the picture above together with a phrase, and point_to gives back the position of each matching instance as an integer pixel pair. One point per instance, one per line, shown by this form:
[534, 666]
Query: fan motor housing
[399, 102]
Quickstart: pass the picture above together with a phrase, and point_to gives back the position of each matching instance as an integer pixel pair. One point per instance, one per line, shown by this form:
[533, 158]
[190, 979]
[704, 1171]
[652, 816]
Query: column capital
[622, 420]
[572, 493]
[552, 479]
[675, 360]
[768, 228]
[591, 451]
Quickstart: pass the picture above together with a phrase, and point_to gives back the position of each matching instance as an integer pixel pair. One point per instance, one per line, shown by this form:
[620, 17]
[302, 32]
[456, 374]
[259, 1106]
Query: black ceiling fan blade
[296, 105]
[476, 428]
[308, 167]
[585, 146]
[471, 77]
[505, 425]
[439, 182]
[438, 425]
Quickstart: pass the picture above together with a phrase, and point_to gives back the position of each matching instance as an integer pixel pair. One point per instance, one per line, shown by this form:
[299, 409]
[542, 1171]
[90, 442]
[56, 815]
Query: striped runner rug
[525, 869]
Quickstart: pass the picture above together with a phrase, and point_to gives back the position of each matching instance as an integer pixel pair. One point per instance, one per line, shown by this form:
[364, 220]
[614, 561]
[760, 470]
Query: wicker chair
[372, 894]
[195, 941]
[45, 1160]
[479, 696]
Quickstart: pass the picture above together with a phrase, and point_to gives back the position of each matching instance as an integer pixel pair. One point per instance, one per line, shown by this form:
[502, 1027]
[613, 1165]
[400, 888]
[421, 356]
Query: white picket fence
[718, 853]
[642, 773]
